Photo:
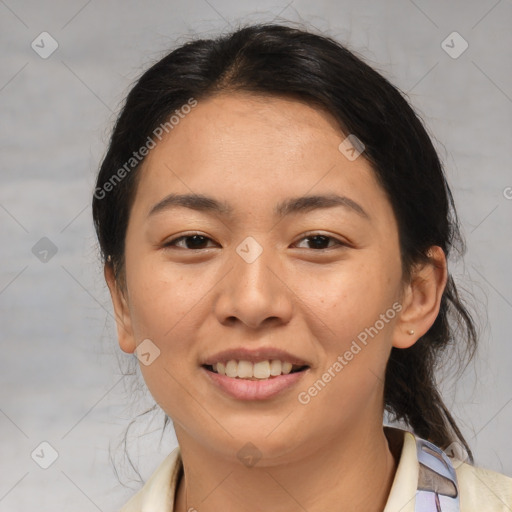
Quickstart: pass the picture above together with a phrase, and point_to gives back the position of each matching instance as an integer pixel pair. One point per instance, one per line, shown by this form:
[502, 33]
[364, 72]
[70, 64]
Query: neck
[336, 477]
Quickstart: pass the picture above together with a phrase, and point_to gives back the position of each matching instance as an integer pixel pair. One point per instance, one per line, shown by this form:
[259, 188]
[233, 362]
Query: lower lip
[244, 389]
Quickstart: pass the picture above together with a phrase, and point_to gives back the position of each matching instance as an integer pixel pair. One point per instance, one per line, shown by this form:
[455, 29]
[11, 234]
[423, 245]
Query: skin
[253, 152]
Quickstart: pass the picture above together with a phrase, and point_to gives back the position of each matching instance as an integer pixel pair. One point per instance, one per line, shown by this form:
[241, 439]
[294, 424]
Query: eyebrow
[287, 207]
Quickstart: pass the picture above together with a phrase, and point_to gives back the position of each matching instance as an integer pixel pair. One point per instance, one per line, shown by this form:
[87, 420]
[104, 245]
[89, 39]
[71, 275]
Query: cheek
[355, 310]
[354, 316]
[160, 299]
[162, 309]
[350, 298]
[165, 307]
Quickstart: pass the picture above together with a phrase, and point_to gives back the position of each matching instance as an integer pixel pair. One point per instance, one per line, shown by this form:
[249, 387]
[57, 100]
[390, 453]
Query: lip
[245, 389]
[253, 356]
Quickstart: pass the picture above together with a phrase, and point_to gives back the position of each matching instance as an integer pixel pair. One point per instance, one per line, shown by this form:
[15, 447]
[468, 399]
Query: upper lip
[254, 355]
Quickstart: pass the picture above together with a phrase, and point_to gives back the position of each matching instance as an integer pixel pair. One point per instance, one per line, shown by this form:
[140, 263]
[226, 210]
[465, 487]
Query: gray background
[61, 378]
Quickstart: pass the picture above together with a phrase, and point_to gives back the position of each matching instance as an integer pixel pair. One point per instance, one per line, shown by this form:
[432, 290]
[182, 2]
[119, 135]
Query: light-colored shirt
[480, 490]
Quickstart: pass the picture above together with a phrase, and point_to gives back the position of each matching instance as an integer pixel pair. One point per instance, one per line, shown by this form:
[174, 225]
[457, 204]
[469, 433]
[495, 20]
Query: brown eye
[192, 242]
[319, 242]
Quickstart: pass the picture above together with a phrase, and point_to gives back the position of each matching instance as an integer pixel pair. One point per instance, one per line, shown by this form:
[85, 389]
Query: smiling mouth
[261, 370]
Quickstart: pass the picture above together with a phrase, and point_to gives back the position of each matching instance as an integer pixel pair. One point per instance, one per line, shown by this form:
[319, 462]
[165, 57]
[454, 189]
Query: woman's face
[315, 280]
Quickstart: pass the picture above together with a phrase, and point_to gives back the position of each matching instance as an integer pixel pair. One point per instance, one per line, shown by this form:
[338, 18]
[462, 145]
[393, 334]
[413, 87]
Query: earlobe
[121, 312]
[422, 299]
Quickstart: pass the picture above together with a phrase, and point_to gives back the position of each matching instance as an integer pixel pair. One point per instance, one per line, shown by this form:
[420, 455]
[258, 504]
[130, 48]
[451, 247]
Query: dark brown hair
[279, 60]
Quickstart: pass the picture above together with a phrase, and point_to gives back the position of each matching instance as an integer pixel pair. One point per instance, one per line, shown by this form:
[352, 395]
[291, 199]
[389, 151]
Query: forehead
[242, 126]
[264, 148]
[245, 120]
[281, 111]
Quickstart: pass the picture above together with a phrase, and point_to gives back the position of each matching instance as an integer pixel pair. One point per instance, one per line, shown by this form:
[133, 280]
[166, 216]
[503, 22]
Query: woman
[275, 225]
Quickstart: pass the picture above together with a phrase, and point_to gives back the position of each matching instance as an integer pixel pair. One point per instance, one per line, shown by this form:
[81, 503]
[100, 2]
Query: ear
[121, 311]
[421, 299]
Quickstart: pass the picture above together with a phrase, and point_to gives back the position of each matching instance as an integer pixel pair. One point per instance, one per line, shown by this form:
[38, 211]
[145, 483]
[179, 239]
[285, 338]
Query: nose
[255, 292]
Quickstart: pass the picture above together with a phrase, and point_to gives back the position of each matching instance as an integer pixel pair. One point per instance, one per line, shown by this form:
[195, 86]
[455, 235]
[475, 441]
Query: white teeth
[261, 370]
[275, 367]
[247, 370]
[232, 368]
[286, 367]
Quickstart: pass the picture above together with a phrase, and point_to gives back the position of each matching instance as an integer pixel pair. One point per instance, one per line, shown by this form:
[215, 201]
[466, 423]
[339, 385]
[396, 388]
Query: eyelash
[172, 243]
